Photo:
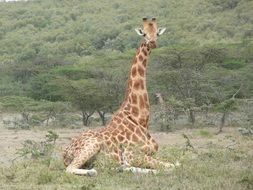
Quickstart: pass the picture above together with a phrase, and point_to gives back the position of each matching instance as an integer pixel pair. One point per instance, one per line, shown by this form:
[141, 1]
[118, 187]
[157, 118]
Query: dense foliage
[80, 52]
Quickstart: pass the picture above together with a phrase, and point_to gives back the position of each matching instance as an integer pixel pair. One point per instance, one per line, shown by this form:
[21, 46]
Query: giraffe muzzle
[152, 44]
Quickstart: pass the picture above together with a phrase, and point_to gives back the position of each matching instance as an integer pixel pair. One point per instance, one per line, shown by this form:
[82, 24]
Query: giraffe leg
[140, 170]
[91, 172]
[85, 155]
[155, 163]
[143, 163]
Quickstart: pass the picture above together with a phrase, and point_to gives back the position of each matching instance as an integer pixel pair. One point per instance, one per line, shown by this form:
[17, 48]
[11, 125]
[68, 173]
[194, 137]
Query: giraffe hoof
[92, 173]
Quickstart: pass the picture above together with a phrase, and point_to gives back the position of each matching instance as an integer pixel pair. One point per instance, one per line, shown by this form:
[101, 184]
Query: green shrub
[36, 150]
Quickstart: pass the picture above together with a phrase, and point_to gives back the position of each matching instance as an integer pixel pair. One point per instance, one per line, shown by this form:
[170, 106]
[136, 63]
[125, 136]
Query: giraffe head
[150, 32]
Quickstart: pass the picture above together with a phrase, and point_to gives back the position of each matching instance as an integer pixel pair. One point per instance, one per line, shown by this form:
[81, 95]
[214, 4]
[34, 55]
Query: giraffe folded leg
[85, 155]
[155, 163]
[91, 172]
[148, 162]
[140, 170]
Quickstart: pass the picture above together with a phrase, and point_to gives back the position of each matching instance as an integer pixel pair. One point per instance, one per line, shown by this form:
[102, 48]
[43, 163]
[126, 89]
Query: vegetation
[35, 150]
[65, 64]
[224, 164]
[80, 52]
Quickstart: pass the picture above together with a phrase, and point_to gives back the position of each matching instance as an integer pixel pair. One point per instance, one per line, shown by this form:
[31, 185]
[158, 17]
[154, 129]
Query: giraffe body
[128, 128]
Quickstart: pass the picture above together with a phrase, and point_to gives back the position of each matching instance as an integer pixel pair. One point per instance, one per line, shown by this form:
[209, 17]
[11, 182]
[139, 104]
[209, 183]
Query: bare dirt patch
[11, 140]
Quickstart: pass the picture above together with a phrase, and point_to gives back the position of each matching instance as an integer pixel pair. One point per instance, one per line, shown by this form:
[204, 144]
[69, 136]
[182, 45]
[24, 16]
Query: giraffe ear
[139, 31]
[160, 31]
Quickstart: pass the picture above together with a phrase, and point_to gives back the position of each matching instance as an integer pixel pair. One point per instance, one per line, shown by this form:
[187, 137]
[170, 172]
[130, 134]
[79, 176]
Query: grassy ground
[222, 161]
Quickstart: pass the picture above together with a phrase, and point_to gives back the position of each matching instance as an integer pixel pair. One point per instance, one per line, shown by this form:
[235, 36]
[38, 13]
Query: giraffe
[128, 127]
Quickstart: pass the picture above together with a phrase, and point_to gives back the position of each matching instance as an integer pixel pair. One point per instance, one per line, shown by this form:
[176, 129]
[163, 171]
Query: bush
[36, 150]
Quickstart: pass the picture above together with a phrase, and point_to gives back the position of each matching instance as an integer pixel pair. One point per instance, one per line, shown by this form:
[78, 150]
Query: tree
[182, 77]
[111, 90]
[42, 87]
[225, 107]
[83, 94]
[27, 106]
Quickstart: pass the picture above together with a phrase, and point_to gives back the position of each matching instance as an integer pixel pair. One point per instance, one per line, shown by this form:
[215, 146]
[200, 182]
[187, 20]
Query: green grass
[214, 168]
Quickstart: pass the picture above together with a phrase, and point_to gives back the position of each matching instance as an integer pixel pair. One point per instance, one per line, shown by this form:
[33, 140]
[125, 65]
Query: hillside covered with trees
[60, 56]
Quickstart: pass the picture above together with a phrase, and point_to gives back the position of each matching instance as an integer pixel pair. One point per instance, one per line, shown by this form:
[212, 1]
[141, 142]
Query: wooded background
[59, 57]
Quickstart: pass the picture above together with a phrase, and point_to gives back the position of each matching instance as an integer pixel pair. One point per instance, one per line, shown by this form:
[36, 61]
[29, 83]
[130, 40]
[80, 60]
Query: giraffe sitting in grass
[128, 128]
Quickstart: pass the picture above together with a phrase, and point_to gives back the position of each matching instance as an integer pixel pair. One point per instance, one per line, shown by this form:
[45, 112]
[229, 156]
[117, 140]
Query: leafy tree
[42, 87]
[83, 94]
[183, 77]
[27, 106]
[111, 87]
[22, 105]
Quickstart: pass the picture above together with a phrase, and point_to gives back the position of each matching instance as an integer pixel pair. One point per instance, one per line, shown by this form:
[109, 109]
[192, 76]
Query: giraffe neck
[136, 102]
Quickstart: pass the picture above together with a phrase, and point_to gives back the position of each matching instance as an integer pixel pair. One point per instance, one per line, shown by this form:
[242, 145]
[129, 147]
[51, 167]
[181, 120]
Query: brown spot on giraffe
[113, 138]
[144, 63]
[128, 135]
[134, 138]
[137, 84]
[134, 98]
[108, 143]
[144, 52]
[115, 133]
[118, 120]
[120, 138]
[142, 84]
[134, 72]
[135, 111]
[113, 124]
[142, 121]
[140, 58]
[121, 115]
[141, 70]
[106, 133]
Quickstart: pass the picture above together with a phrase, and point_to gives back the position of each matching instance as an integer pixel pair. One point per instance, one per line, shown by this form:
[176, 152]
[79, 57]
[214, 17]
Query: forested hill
[80, 51]
[56, 27]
